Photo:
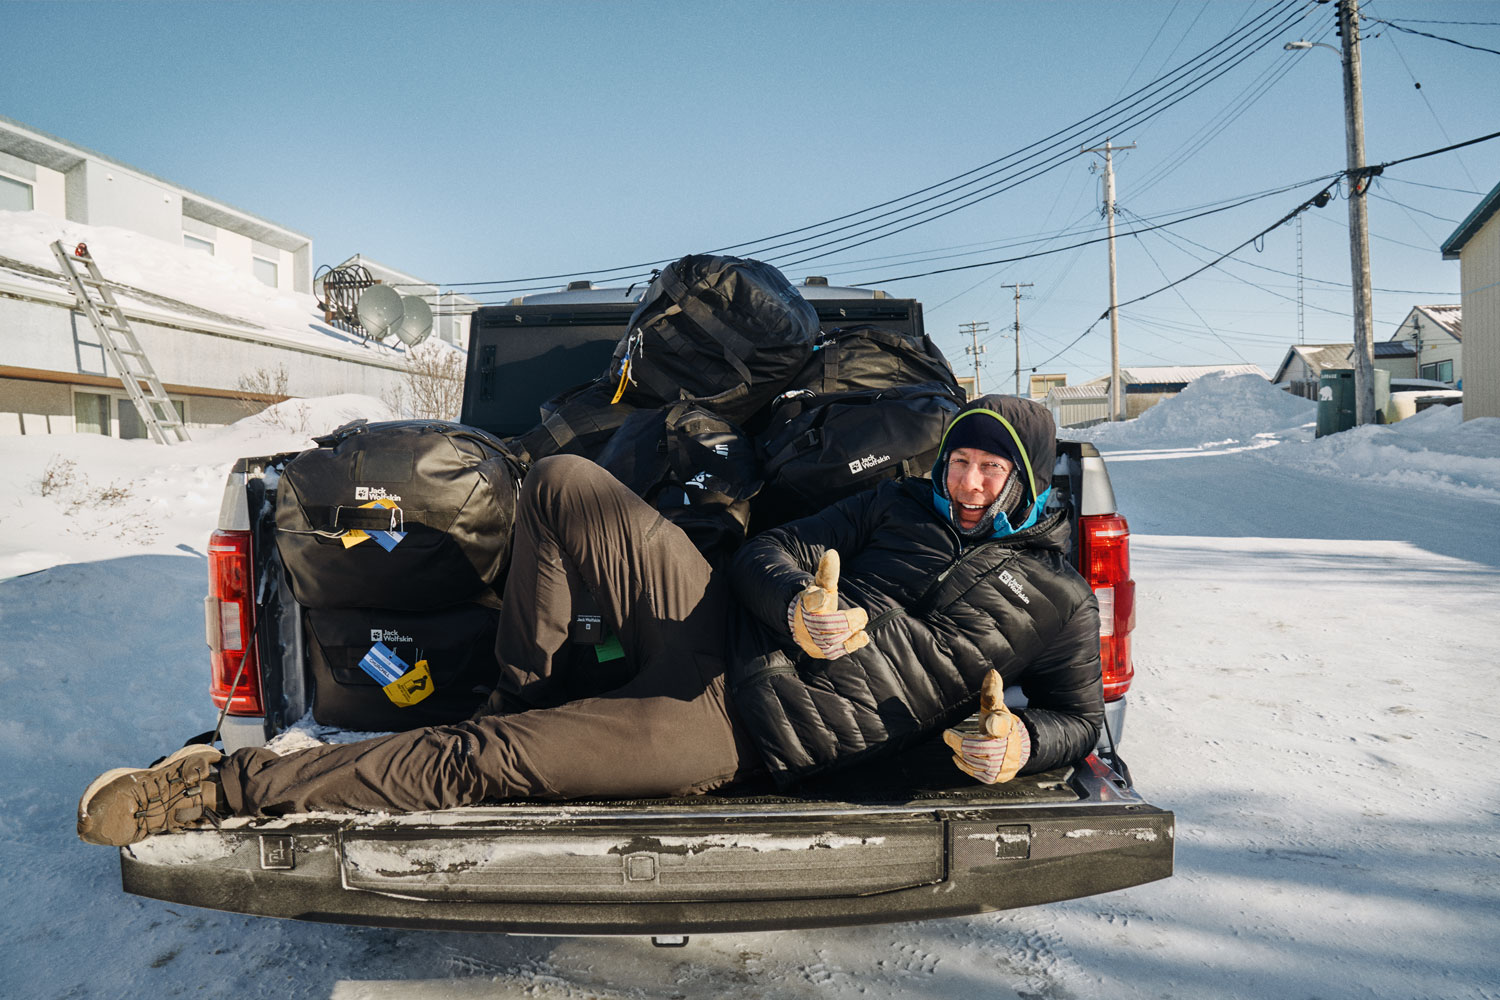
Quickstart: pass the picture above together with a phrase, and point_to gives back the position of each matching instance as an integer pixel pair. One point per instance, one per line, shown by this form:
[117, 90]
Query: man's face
[975, 478]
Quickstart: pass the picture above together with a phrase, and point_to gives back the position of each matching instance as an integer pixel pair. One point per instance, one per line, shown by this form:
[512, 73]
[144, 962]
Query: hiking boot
[131, 803]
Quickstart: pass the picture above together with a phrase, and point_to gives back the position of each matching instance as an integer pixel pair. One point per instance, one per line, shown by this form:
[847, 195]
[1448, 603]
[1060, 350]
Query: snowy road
[1315, 699]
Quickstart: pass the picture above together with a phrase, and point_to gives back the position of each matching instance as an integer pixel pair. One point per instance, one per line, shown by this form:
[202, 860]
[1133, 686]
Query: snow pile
[1433, 453]
[83, 498]
[1214, 409]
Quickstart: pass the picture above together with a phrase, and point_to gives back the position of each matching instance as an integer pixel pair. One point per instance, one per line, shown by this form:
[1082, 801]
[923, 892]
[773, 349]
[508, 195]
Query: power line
[1103, 129]
[1424, 34]
[1218, 58]
[1178, 237]
[1100, 239]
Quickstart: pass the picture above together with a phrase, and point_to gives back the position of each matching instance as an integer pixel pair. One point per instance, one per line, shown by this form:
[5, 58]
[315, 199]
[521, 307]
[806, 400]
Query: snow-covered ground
[1315, 698]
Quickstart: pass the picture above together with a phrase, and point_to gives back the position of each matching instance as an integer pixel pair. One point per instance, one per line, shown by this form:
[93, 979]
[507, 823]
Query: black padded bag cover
[724, 332]
[456, 487]
[458, 644]
[850, 358]
[819, 449]
[695, 467]
[577, 421]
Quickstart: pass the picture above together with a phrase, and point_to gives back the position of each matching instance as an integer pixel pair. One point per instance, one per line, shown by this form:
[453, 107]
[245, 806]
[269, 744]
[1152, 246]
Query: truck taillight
[229, 622]
[1105, 562]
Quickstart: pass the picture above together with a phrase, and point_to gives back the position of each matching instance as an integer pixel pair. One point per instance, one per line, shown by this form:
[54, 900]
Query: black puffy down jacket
[942, 613]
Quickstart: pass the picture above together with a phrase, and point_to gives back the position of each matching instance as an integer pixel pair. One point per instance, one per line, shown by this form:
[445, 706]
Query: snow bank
[1435, 452]
[1212, 410]
[81, 498]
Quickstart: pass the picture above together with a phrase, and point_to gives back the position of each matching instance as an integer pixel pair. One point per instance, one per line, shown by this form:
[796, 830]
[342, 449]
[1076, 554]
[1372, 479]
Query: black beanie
[974, 431]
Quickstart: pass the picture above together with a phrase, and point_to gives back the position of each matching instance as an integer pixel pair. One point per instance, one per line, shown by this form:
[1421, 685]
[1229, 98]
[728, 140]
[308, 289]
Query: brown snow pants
[667, 730]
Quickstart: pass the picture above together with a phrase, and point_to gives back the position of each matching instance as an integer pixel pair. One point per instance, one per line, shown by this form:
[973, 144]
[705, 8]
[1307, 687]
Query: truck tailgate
[716, 863]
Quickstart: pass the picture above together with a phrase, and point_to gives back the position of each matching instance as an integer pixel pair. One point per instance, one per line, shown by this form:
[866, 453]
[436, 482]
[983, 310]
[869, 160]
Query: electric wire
[1425, 34]
[1009, 182]
[1344, 285]
[1152, 257]
[1151, 91]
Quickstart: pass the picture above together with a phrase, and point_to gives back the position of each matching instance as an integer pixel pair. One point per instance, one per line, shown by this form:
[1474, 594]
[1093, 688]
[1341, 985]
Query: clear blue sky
[468, 142]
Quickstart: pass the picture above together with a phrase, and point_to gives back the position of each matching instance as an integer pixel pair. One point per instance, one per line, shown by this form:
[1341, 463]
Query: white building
[221, 300]
[42, 173]
[1434, 337]
[1475, 244]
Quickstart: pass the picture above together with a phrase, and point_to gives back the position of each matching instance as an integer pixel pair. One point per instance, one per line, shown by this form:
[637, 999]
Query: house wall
[51, 353]
[48, 188]
[1297, 370]
[1433, 345]
[116, 197]
[1479, 267]
[1398, 367]
[1076, 412]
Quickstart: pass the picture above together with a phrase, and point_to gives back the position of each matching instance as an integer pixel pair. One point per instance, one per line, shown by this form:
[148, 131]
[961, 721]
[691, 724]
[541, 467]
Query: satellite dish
[416, 320]
[379, 310]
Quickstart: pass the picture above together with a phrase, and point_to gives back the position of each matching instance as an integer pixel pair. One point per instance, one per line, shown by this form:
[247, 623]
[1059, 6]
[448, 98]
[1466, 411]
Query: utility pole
[1359, 223]
[974, 329]
[1116, 409]
[1301, 329]
[1017, 287]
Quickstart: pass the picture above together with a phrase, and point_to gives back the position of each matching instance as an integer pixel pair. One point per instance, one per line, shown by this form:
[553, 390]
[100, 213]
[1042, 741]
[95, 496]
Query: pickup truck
[908, 838]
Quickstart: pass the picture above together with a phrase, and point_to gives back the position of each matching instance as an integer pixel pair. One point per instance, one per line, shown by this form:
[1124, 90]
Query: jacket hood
[1027, 432]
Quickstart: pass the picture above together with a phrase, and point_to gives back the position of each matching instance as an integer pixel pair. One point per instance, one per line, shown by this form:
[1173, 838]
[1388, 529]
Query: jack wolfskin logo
[374, 493]
[868, 462]
[387, 635]
[1014, 585]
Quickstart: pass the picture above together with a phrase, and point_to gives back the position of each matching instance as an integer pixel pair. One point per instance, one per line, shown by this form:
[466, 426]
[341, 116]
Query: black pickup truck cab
[907, 838]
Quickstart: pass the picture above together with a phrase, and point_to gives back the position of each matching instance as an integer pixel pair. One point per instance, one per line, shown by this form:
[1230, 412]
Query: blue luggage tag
[382, 663]
[405, 685]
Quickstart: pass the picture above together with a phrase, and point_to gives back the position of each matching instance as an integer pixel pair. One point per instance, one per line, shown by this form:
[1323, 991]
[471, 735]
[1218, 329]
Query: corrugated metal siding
[1480, 269]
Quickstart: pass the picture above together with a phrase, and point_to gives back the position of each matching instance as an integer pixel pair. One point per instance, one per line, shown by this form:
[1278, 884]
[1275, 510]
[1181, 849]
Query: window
[91, 413]
[265, 271]
[131, 424]
[194, 243]
[1440, 371]
[15, 196]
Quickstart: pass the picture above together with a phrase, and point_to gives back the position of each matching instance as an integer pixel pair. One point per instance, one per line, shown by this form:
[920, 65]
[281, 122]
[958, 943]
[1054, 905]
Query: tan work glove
[1000, 747]
[820, 628]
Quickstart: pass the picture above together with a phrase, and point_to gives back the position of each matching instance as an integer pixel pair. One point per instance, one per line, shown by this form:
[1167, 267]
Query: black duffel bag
[695, 467]
[577, 421]
[851, 358]
[442, 536]
[724, 332]
[456, 644]
[819, 449]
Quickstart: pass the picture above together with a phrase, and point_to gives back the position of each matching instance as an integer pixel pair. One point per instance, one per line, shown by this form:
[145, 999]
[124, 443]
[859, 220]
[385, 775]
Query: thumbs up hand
[1000, 747]
[822, 630]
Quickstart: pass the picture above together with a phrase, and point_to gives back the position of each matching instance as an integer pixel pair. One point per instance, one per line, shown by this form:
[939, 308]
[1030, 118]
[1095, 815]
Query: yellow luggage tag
[385, 539]
[411, 687]
[403, 685]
